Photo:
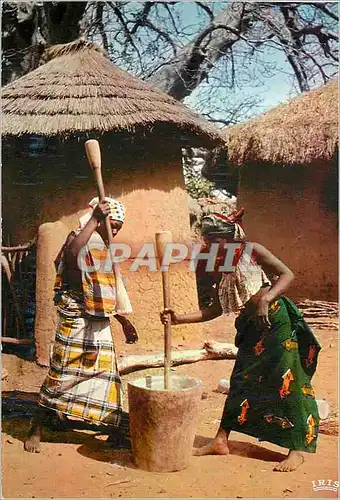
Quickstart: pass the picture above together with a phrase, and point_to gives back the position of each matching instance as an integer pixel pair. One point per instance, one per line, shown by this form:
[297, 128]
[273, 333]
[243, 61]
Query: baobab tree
[184, 47]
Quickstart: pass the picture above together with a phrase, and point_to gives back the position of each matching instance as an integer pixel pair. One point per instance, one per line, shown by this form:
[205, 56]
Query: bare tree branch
[324, 8]
[150, 25]
[142, 17]
[207, 10]
[167, 7]
[123, 23]
[100, 24]
[315, 62]
[222, 46]
[185, 72]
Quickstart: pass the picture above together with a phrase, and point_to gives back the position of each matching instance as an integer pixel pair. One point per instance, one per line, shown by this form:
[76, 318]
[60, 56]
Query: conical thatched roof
[80, 90]
[302, 131]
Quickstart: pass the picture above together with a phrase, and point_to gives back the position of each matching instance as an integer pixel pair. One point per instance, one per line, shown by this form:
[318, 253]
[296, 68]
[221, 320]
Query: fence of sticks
[18, 267]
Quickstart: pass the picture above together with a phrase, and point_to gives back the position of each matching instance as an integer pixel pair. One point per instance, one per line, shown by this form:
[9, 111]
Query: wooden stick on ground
[210, 350]
[12, 340]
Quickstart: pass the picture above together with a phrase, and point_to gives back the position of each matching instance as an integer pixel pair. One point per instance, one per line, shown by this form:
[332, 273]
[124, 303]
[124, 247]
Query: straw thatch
[302, 131]
[80, 90]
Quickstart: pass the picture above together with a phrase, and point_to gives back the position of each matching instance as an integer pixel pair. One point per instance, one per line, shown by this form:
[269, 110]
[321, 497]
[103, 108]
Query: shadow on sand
[102, 452]
[18, 429]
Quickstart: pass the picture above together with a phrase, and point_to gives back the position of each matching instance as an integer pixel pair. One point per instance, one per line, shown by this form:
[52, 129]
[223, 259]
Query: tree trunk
[28, 27]
[180, 76]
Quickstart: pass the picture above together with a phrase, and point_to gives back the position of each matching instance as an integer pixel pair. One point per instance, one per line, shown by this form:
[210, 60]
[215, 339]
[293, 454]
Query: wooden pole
[92, 148]
[17, 248]
[12, 340]
[162, 239]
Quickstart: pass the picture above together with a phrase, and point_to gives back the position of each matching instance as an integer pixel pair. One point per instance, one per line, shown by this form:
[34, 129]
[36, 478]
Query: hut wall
[155, 199]
[293, 212]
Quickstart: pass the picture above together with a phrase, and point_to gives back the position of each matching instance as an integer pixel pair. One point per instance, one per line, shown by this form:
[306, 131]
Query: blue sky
[271, 90]
[265, 77]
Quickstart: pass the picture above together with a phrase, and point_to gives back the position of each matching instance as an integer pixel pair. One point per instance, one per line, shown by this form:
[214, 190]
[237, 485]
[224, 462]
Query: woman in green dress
[270, 396]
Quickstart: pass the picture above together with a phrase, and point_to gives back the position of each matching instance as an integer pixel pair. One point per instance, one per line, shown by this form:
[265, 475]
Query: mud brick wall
[292, 211]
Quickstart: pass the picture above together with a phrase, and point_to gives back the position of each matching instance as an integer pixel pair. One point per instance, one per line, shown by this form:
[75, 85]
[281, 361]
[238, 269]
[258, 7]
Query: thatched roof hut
[80, 90]
[288, 185]
[47, 115]
[302, 131]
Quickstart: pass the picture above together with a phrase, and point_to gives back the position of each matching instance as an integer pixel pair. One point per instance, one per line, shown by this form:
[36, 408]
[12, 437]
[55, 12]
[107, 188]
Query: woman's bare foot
[32, 442]
[218, 446]
[292, 462]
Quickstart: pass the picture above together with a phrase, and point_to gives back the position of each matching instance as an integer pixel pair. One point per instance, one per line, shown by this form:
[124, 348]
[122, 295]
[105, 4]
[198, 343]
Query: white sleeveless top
[237, 287]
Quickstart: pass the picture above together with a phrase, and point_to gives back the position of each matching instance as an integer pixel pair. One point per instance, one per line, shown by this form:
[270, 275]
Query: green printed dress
[271, 397]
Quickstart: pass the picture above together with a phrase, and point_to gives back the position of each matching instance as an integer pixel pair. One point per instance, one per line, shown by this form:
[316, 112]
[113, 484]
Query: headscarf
[117, 211]
[220, 224]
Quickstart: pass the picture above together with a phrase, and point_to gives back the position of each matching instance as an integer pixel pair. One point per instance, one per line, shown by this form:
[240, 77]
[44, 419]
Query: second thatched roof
[80, 90]
[302, 131]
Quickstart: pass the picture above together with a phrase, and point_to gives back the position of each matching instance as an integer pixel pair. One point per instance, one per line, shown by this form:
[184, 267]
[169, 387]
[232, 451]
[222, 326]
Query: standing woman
[83, 381]
[270, 397]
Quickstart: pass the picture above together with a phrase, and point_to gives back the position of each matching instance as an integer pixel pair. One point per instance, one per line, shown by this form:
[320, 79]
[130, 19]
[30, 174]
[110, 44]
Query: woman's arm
[78, 242]
[207, 314]
[101, 211]
[270, 264]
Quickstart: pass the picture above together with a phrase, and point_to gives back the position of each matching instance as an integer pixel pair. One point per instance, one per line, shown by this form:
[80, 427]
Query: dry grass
[302, 131]
[80, 90]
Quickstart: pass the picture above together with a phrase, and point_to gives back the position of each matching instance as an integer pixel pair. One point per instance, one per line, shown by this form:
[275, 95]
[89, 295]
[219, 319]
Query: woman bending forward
[270, 397]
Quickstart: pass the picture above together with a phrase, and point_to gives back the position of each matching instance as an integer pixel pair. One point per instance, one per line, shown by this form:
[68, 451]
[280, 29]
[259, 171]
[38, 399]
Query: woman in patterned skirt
[270, 396]
[83, 380]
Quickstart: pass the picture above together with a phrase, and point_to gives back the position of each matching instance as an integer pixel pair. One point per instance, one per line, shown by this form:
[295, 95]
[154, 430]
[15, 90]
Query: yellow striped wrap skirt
[83, 379]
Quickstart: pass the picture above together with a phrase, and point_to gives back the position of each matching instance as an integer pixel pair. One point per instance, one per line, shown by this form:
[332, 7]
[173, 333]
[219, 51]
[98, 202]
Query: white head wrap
[117, 211]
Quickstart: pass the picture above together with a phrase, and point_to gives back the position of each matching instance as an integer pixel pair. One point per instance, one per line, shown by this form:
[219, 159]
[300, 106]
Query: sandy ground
[78, 464]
